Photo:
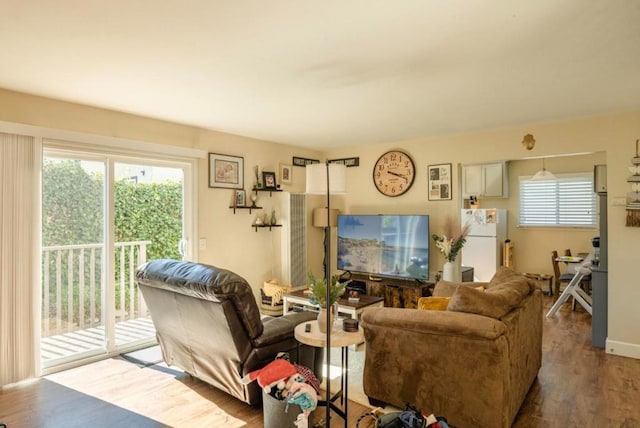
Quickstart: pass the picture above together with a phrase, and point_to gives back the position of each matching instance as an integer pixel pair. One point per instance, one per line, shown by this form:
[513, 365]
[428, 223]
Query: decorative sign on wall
[303, 161]
[346, 161]
[633, 206]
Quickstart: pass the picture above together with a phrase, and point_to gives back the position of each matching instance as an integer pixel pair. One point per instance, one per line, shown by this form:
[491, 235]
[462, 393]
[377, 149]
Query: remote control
[307, 328]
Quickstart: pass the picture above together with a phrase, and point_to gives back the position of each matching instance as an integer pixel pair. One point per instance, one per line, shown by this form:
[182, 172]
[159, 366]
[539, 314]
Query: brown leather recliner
[208, 324]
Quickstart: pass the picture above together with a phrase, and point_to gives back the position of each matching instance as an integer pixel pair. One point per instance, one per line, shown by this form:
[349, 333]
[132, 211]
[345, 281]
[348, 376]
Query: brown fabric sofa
[472, 363]
[208, 324]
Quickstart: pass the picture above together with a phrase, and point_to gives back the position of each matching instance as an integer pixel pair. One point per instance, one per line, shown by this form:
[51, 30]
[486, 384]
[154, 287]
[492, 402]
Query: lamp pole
[319, 183]
[327, 252]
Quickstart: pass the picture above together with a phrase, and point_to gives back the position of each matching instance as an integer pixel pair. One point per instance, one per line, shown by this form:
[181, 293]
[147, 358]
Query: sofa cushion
[494, 305]
[433, 303]
[447, 288]
[505, 274]
[519, 287]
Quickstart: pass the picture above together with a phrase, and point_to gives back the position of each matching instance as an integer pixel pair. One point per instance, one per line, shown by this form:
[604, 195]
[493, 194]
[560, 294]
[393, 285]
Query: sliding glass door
[147, 224]
[102, 217]
[73, 258]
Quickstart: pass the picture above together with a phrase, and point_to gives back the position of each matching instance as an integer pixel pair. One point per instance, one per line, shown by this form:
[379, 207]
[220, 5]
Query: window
[567, 201]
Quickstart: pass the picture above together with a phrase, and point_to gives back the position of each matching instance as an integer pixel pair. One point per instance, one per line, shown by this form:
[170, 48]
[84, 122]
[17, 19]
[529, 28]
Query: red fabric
[309, 376]
[273, 372]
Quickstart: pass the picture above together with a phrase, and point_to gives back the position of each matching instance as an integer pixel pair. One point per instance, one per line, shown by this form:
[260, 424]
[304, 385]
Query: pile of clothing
[288, 381]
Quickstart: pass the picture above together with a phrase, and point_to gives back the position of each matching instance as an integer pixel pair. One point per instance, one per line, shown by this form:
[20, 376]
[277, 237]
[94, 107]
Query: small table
[339, 338]
[353, 309]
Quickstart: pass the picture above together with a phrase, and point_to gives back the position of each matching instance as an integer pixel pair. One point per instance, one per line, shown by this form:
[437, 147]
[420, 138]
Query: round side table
[339, 339]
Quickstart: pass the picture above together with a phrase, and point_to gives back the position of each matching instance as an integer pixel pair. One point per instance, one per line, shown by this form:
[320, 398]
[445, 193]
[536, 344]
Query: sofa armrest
[433, 322]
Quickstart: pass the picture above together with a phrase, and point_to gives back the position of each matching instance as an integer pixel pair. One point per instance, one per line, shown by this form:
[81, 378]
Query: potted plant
[318, 296]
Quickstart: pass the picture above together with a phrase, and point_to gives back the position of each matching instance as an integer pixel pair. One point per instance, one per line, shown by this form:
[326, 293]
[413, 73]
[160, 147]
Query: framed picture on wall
[286, 174]
[439, 182]
[269, 179]
[226, 171]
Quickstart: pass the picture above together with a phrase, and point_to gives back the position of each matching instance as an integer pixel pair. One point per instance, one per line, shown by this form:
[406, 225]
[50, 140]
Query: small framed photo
[269, 179]
[439, 185]
[240, 198]
[286, 172]
[226, 171]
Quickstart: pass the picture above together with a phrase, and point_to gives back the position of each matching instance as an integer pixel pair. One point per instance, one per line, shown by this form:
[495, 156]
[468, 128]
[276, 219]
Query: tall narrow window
[568, 201]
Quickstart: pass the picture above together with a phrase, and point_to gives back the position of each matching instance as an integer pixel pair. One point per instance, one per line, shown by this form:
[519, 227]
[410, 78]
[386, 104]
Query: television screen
[385, 245]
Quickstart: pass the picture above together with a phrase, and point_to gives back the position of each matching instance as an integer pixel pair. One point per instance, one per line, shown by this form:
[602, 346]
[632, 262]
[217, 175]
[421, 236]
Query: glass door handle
[182, 248]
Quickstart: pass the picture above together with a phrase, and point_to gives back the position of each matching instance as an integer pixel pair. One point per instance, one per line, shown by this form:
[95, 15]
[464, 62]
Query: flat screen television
[384, 245]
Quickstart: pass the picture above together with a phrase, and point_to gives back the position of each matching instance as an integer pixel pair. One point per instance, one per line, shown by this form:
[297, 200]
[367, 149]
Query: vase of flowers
[450, 243]
[318, 296]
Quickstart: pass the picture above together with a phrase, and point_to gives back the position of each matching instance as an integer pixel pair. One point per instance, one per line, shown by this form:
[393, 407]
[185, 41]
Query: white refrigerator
[483, 249]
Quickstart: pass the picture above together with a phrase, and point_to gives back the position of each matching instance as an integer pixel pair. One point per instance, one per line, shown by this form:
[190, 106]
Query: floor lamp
[327, 179]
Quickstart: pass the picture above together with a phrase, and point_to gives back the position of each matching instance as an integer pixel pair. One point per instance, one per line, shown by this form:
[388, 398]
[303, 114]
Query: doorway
[103, 216]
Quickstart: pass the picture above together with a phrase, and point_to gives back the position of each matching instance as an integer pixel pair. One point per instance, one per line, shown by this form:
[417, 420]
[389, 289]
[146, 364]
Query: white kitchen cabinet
[489, 180]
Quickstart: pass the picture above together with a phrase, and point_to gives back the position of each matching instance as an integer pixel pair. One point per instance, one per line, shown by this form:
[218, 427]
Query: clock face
[393, 173]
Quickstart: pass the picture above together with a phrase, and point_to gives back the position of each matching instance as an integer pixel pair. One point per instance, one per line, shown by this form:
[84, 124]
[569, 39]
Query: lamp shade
[320, 217]
[317, 179]
[543, 174]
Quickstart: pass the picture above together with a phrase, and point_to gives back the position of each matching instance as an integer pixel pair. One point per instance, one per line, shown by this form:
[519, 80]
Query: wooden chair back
[556, 267]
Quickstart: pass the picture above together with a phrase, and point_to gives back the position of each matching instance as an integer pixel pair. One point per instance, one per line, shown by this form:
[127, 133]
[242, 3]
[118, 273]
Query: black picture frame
[269, 179]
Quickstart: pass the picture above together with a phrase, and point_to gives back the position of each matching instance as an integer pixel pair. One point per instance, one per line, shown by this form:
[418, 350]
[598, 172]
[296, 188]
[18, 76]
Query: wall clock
[394, 173]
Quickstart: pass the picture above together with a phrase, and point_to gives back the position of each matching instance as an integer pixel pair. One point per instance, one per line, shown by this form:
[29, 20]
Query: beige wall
[232, 243]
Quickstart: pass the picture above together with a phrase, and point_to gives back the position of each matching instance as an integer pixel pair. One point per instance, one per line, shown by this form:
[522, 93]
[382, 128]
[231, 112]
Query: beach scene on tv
[389, 245]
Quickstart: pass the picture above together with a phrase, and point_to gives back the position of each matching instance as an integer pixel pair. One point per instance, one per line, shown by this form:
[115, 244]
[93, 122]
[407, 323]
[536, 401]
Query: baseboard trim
[623, 349]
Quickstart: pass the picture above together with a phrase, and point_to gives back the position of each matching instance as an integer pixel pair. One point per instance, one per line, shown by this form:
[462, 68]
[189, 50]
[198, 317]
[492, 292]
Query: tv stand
[397, 292]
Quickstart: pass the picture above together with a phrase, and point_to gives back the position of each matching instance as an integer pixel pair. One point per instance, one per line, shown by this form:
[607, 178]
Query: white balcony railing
[73, 288]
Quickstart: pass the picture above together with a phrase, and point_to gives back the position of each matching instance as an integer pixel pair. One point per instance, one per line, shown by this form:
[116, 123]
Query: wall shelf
[264, 226]
[245, 208]
[266, 190]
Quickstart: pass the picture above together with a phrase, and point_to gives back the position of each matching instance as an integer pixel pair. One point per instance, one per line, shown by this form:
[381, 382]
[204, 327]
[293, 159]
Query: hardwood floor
[578, 386]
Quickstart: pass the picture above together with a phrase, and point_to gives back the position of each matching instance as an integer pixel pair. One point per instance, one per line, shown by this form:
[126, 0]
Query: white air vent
[293, 242]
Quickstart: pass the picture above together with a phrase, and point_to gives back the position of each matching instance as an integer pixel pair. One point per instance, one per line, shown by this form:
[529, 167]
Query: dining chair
[585, 284]
[559, 278]
[565, 278]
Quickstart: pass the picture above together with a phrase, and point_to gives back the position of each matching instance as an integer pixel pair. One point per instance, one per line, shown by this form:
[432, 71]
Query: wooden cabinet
[397, 292]
[488, 180]
[399, 296]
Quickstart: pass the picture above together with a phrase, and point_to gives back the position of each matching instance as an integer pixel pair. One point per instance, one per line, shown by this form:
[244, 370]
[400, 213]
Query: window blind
[567, 201]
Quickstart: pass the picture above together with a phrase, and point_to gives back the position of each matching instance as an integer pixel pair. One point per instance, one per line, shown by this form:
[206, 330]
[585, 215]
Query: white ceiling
[329, 73]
